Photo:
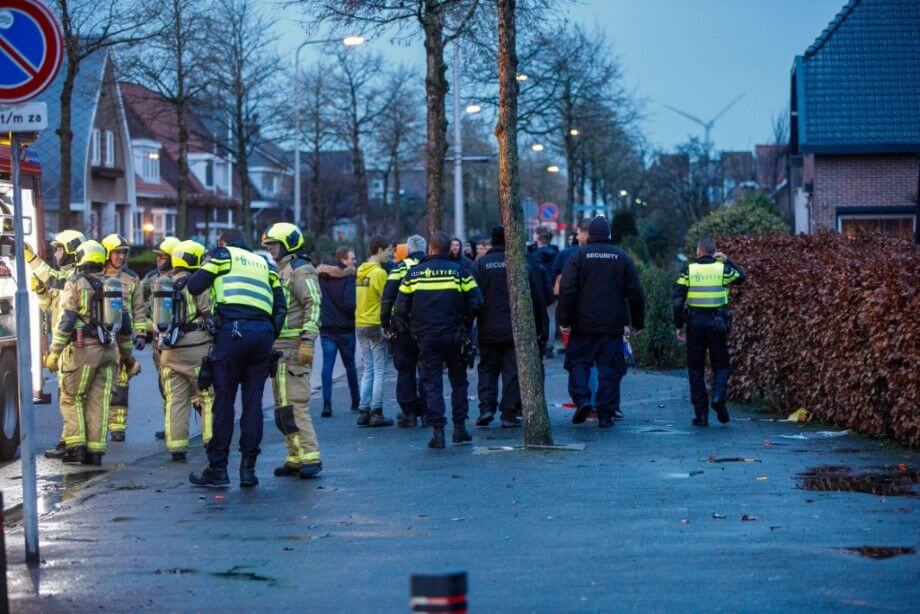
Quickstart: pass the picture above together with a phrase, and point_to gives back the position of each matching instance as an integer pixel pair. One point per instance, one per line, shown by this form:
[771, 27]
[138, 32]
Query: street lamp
[552, 169]
[472, 109]
[349, 41]
[538, 147]
[624, 193]
[574, 132]
[522, 77]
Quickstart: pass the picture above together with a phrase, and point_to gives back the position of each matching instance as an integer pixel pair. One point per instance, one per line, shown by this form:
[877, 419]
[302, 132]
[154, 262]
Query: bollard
[4, 599]
[438, 592]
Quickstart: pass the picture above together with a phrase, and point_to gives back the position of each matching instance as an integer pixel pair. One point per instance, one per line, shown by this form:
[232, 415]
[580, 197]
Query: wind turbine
[707, 126]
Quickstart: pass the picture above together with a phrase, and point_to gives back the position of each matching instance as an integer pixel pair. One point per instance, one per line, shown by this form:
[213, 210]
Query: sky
[696, 55]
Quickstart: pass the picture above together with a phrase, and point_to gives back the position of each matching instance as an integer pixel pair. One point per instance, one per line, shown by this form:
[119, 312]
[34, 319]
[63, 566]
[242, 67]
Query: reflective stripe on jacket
[244, 278]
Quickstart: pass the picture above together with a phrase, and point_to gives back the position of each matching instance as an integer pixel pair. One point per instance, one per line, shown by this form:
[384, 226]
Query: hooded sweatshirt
[369, 290]
[337, 314]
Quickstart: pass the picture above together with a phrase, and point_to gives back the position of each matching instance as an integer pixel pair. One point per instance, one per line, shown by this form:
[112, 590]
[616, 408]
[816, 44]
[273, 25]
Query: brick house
[855, 122]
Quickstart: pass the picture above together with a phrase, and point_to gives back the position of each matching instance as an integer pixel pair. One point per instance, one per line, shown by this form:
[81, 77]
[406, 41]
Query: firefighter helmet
[70, 240]
[187, 255]
[90, 252]
[288, 235]
[165, 245]
[114, 242]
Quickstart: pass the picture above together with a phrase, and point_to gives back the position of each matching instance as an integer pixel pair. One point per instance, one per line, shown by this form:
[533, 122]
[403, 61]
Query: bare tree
[536, 419]
[241, 82]
[91, 26]
[440, 22]
[174, 65]
[317, 131]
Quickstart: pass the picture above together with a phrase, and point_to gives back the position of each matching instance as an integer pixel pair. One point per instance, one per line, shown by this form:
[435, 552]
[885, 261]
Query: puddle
[879, 552]
[235, 573]
[840, 478]
[732, 459]
[56, 489]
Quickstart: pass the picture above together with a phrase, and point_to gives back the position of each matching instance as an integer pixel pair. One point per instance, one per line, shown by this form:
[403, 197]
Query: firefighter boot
[118, 435]
[73, 454]
[57, 451]
[310, 470]
[437, 438]
[211, 477]
[248, 477]
[92, 458]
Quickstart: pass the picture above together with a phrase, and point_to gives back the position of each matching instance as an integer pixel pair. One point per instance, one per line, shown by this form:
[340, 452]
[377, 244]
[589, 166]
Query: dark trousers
[434, 355]
[410, 391]
[700, 339]
[240, 358]
[604, 352]
[342, 344]
[498, 359]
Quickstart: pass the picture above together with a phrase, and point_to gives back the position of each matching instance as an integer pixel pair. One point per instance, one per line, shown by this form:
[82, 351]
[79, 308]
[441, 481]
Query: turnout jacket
[598, 284]
[391, 288]
[302, 297]
[337, 285]
[75, 311]
[197, 309]
[132, 294]
[495, 317]
[713, 288]
[439, 298]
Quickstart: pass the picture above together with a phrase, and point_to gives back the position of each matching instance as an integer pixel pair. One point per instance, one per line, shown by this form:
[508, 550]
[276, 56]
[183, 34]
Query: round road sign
[548, 212]
[31, 49]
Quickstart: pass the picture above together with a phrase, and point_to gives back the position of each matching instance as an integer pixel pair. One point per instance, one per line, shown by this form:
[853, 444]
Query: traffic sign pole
[24, 368]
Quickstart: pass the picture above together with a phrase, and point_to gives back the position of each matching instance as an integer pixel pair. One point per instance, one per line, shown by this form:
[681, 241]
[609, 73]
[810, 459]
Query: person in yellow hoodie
[371, 278]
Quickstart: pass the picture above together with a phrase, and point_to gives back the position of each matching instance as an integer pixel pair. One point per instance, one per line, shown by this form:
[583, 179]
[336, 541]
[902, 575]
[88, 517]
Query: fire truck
[33, 230]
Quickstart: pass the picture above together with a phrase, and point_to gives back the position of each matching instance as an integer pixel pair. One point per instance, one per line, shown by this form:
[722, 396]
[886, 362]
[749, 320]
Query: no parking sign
[31, 49]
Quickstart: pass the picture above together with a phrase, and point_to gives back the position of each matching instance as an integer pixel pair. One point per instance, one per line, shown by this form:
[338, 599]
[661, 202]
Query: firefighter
[91, 321]
[701, 302]
[47, 282]
[409, 393]
[116, 257]
[440, 298]
[185, 340]
[162, 251]
[296, 341]
[250, 310]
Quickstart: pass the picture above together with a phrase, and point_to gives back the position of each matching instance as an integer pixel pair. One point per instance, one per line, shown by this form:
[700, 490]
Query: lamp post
[350, 41]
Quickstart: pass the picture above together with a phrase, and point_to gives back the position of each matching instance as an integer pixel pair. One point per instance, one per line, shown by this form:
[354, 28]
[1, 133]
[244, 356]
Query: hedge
[752, 215]
[830, 324]
[657, 346]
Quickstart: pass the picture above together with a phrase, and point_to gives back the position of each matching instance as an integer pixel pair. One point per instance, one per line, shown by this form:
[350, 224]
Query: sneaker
[364, 417]
[618, 415]
[120, 435]
[378, 419]
[327, 409]
[460, 434]
[581, 414]
[310, 470]
[485, 419]
[210, 477]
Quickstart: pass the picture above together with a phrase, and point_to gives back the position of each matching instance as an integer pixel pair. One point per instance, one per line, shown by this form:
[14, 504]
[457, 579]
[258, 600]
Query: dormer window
[147, 161]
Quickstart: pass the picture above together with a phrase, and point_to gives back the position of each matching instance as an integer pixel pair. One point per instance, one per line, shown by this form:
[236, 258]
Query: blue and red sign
[548, 212]
[31, 49]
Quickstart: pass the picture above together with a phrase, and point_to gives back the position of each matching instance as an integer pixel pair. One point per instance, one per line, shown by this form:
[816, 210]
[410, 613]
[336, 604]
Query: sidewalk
[646, 518]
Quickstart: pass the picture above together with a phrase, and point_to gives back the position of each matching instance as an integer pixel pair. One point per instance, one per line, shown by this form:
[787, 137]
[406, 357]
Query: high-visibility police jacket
[438, 296]
[243, 285]
[302, 297]
[132, 294]
[391, 288]
[703, 285]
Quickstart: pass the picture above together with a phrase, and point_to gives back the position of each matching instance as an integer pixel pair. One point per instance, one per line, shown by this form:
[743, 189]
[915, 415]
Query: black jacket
[541, 261]
[337, 312]
[731, 275]
[495, 317]
[439, 298]
[597, 284]
[391, 287]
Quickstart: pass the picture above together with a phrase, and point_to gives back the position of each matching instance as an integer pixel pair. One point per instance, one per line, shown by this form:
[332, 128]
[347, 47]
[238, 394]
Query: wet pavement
[650, 515]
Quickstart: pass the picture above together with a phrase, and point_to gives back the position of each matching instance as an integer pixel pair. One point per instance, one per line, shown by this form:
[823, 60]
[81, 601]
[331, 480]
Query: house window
[209, 173]
[95, 149]
[268, 183]
[138, 228]
[152, 167]
[109, 148]
[897, 225]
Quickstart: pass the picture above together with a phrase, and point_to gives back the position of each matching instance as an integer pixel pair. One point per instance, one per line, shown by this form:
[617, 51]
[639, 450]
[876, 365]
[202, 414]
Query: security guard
[291, 384]
[47, 282]
[250, 311]
[116, 252]
[185, 342]
[162, 251]
[92, 318]
[410, 394]
[440, 299]
[597, 286]
[701, 302]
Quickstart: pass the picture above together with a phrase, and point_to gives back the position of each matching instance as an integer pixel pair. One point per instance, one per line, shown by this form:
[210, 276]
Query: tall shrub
[752, 215]
[657, 346]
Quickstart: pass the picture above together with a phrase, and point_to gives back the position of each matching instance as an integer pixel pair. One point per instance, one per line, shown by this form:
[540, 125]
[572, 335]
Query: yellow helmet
[187, 255]
[90, 252]
[166, 245]
[114, 242]
[70, 240]
[288, 235]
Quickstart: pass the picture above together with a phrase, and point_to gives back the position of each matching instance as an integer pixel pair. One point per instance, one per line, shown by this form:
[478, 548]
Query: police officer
[185, 342]
[440, 299]
[296, 341]
[116, 250]
[92, 319]
[496, 344]
[701, 302]
[410, 394]
[162, 251]
[250, 310]
[47, 282]
[597, 284]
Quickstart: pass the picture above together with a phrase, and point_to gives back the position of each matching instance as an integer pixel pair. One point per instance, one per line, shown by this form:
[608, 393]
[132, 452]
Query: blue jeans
[343, 344]
[374, 353]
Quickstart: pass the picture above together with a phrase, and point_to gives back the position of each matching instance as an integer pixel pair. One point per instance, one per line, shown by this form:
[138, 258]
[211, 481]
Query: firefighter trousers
[179, 369]
[118, 411]
[87, 377]
[291, 388]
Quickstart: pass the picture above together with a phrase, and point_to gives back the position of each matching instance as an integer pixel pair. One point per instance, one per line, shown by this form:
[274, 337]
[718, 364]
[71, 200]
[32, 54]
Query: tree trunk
[397, 198]
[530, 372]
[360, 191]
[182, 179]
[435, 93]
[65, 133]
